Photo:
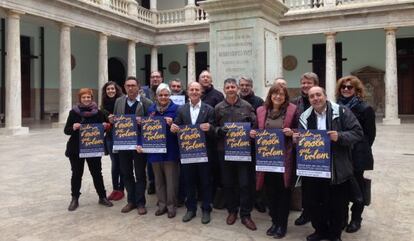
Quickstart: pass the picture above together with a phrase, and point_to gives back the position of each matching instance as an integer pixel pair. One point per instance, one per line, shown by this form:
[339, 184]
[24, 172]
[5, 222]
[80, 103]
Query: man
[192, 113]
[177, 89]
[236, 176]
[155, 80]
[210, 95]
[307, 81]
[328, 197]
[247, 94]
[280, 81]
[130, 160]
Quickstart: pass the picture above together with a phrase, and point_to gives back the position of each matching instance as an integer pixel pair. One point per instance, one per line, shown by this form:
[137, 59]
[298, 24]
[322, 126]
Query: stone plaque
[234, 53]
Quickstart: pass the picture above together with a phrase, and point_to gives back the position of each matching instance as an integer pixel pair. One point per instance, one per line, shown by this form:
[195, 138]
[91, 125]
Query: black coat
[206, 115]
[349, 131]
[212, 97]
[254, 100]
[362, 152]
[72, 146]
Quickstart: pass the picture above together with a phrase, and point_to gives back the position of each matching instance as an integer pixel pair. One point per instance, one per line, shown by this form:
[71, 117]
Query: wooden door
[319, 61]
[405, 69]
[25, 75]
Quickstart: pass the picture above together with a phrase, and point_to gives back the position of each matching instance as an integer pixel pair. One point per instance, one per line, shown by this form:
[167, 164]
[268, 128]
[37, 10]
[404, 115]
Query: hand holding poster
[314, 154]
[192, 144]
[125, 132]
[91, 140]
[270, 150]
[154, 137]
[237, 142]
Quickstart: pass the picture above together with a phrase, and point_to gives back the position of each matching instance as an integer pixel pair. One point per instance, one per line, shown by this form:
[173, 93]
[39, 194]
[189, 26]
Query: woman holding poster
[165, 165]
[278, 113]
[85, 112]
[110, 92]
[350, 92]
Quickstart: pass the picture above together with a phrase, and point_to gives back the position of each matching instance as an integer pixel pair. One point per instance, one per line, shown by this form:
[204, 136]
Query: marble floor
[35, 193]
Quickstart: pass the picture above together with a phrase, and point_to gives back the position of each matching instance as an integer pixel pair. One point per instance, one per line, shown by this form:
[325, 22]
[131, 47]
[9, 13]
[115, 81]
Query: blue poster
[313, 154]
[192, 144]
[124, 132]
[270, 150]
[91, 140]
[154, 134]
[237, 142]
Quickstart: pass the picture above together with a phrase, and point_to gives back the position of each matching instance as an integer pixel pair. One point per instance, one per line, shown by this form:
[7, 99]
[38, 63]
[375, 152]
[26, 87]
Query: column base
[14, 131]
[391, 121]
[58, 125]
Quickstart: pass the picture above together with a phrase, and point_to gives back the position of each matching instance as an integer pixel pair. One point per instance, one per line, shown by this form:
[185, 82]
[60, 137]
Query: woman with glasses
[350, 93]
[165, 165]
[278, 112]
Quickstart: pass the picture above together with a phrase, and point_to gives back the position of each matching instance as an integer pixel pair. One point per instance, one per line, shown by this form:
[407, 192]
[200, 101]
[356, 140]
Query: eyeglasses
[349, 87]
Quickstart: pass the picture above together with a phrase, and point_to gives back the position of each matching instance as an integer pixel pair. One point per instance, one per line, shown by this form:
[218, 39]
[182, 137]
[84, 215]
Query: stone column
[330, 74]
[131, 58]
[153, 5]
[279, 67]
[103, 64]
[13, 77]
[132, 8]
[65, 74]
[154, 58]
[191, 63]
[191, 3]
[391, 80]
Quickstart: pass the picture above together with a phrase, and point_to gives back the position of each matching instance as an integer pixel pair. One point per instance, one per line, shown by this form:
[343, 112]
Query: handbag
[355, 192]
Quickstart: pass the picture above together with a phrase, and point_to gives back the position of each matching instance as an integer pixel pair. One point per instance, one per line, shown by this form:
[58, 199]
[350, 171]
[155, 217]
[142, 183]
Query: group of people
[350, 124]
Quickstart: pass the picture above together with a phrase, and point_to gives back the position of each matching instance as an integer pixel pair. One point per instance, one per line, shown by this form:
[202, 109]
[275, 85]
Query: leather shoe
[74, 204]
[160, 212]
[302, 219]
[248, 222]
[316, 237]
[142, 210]
[205, 218]
[171, 214]
[336, 239]
[128, 208]
[105, 202]
[188, 216]
[260, 206]
[280, 233]
[272, 230]
[231, 219]
[353, 226]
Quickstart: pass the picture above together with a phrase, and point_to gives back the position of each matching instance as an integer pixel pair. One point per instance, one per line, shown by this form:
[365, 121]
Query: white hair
[161, 87]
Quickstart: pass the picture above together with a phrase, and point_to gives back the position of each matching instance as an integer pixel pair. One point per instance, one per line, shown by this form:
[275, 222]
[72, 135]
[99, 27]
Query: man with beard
[307, 81]
[177, 89]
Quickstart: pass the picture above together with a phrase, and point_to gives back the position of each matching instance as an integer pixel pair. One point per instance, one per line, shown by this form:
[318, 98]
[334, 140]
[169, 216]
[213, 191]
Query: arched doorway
[116, 71]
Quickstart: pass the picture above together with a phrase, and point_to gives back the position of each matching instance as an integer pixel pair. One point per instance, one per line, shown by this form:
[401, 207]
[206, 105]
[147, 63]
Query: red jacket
[290, 121]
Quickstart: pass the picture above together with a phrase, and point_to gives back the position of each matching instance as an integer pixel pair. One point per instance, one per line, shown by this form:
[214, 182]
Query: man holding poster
[198, 113]
[328, 196]
[130, 160]
[237, 176]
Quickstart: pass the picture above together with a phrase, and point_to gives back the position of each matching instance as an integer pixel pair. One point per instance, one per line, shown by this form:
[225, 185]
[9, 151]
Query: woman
[110, 92]
[85, 112]
[350, 92]
[278, 112]
[165, 165]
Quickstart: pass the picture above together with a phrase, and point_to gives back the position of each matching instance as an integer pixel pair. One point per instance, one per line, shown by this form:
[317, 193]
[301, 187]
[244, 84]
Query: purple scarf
[86, 110]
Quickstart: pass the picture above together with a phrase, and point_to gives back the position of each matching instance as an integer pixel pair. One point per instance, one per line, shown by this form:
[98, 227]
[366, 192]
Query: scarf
[86, 110]
[349, 102]
[109, 104]
[162, 109]
[274, 114]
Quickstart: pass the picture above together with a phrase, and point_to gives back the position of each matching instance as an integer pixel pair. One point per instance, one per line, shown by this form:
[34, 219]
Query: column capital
[191, 44]
[11, 13]
[103, 34]
[328, 34]
[390, 29]
[66, 25]
[133, 40]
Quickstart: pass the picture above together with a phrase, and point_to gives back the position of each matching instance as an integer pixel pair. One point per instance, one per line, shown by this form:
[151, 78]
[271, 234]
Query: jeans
[95, 168]
[132, 162]
[117, 182]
